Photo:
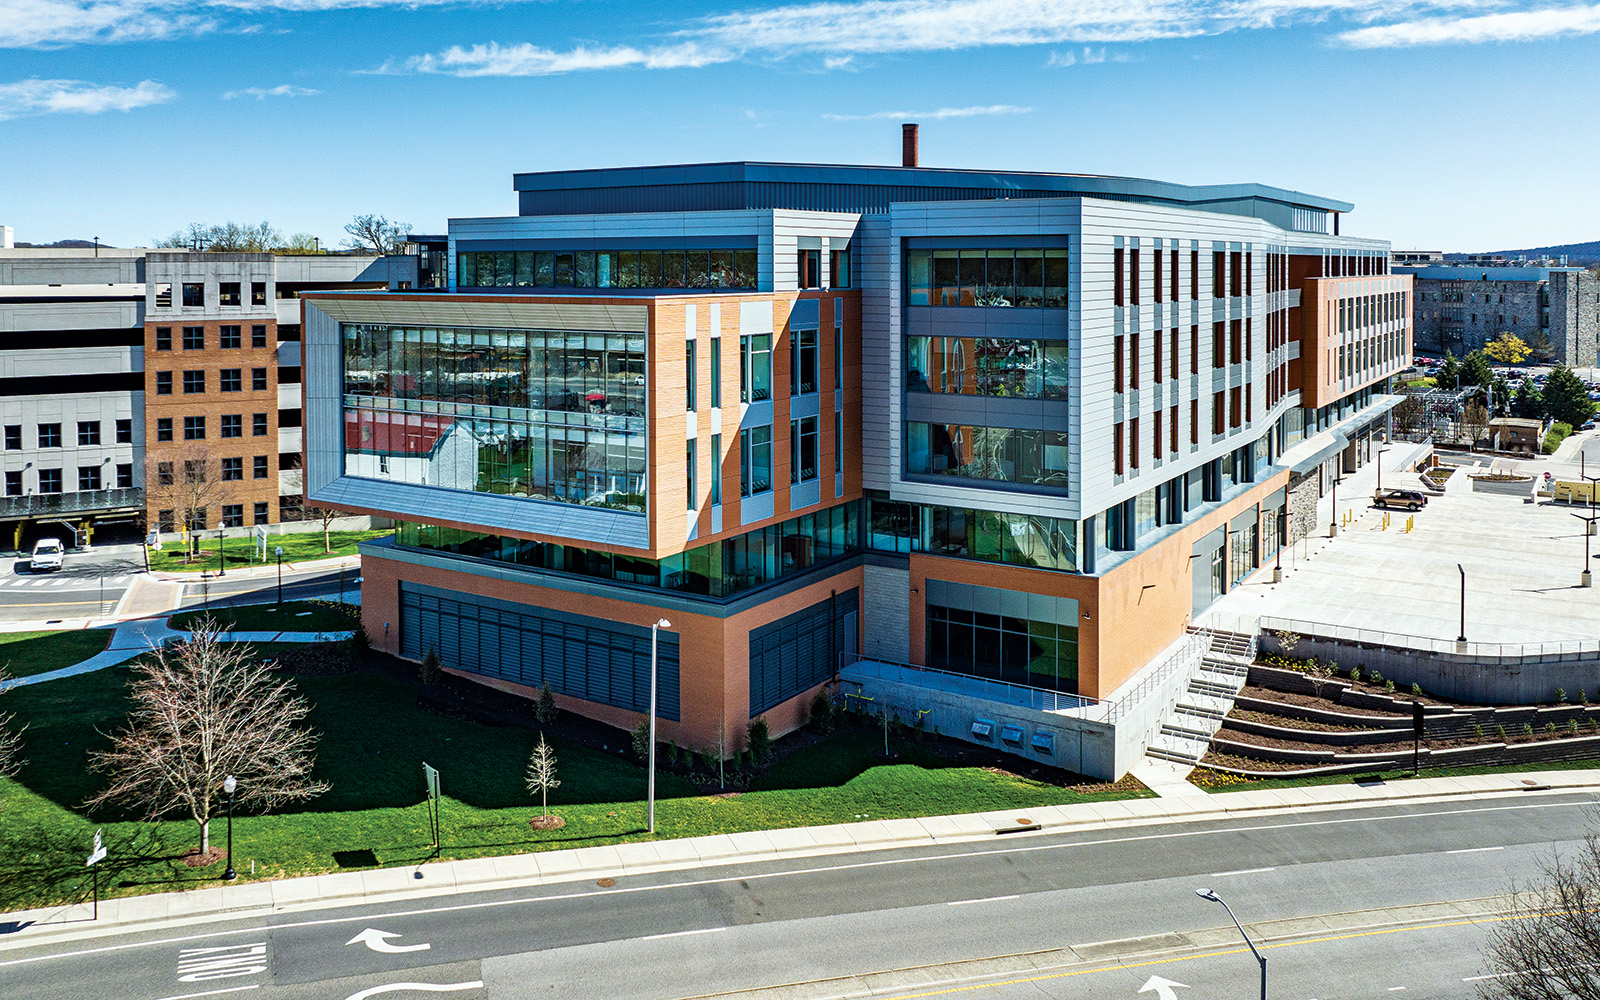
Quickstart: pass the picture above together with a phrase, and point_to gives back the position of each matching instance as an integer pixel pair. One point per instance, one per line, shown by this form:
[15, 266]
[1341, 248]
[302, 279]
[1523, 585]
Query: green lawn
[241, 551]
[24, 653]
[1403, 774]
[290, 616]
[375, 740]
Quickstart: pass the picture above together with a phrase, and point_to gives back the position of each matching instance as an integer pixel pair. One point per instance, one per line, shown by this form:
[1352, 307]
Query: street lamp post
[228, 785]
[278, 550]
[1333, 526]
[222, 559]
[1380, 467]
[1213, 897]
[1462, 637]
[650, 792]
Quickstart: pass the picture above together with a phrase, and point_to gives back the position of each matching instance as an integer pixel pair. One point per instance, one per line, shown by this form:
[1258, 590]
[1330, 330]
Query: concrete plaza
[1522, 563]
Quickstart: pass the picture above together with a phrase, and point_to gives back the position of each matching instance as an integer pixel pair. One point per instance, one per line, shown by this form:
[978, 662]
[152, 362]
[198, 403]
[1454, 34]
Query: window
[228, 338]
[232, 469]
[1155, 278]
[258, 335]
[982, 366]
[1219, 346]
[231, 380]
[689, 471]
[259, 466]
[1155, 355]
[716, 468]
[1194, 274]
[194, 338]
[808, 269]
[755, 368]
[194, 381]
[14, 484]
[1194, 421]
[688, 356]
[49, 435]
[839, 268]
[996, 454]
[13, 437]
[716, 371]
[838, 351]
[124, 477]
[194, 295]
[1133, 278]
[1133, 360]
[88, 432]
[1236, 274]
[258, 425]
[803, 372]
[1194, 351]
[1118, 280]
[124, 432]
[258, 380]
[194, 470]
[1218, 413]
[233, 515]
[1219, 274]
[1174, 283]
[228, 293]
[1133, 441]
[163, 383]
[724, 268]
[164, 429]
[232, 425]
[194, 428]
[163, 338]
[49, 480]
[803, 450]
[838, 442]
[258, 295]
[755, 460]
[260, 512]
[88, 478]
[1117, 450]
[974, 277]
[1118, 364]
[1172, 436]
[165, 522]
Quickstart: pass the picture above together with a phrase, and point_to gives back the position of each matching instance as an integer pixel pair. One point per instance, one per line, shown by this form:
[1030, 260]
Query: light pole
[278, 550]
[1462, 637]
[228, 785]
[222, 560]
[1213, 897]
[650, 792]
[1380, 467]
[1333, 526]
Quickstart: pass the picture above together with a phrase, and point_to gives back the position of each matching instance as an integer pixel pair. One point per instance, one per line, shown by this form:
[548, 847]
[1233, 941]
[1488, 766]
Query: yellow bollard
[1411, 522]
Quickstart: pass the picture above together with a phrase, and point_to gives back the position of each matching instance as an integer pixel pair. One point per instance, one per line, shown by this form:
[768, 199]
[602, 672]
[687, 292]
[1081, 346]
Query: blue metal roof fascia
[923, 177]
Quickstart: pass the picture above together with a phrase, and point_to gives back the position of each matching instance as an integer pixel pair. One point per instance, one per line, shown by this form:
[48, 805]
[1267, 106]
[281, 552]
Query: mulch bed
[198, 859]
[1489, 736]
[547, 822]
[1308, 701]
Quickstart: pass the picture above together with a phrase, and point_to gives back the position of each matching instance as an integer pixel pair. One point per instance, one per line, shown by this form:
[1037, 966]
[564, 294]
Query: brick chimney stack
[908, 144]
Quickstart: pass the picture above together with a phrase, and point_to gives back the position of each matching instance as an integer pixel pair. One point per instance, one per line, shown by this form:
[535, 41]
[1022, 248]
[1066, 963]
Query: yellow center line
[1191, 958]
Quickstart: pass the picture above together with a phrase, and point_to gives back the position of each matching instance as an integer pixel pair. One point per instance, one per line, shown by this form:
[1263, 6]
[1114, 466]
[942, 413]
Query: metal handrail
[1502, 652]
[1178, 658]
[1060, 701]
[39, 504]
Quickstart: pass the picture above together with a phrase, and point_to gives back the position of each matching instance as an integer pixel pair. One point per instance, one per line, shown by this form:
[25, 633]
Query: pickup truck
[48, 554]
[1407, 499]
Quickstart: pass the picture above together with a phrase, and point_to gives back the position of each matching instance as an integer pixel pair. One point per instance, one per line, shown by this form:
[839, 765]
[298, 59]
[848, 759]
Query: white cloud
[837, 62]
[44, 97]
[1510, 26]
[262, 93]
[1062, 59]
[908, 116]
[493, 59]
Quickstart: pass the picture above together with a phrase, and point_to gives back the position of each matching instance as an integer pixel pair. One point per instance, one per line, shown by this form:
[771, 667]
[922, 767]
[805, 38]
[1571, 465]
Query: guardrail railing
[1501, 652]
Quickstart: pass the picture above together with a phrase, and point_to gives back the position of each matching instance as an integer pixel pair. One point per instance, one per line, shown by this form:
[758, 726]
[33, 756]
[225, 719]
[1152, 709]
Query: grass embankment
[375, 738]
[242, 552]
[25, 653]
[290, 616]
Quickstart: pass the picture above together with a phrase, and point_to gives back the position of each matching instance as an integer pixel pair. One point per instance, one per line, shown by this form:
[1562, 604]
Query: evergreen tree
[1449, 369]
[1527, 402]
[1566, 399]
[1475, 371]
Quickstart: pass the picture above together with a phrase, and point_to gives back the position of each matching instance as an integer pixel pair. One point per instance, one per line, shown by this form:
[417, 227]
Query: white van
[47, 555]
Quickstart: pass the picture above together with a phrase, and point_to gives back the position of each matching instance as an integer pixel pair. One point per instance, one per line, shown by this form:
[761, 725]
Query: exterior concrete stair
[1205, 703]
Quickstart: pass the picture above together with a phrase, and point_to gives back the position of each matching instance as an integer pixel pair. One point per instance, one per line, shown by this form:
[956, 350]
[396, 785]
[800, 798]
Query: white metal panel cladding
[797, 652]
[578, 656]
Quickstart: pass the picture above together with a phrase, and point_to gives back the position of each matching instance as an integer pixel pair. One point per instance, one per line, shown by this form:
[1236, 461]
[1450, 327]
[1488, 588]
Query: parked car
[48, 554]
[1405, 499]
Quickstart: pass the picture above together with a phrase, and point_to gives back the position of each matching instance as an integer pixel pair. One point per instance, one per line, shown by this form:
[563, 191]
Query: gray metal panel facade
[800, 650]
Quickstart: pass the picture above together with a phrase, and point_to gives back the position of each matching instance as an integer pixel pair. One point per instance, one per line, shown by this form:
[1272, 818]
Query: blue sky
[1452, 124]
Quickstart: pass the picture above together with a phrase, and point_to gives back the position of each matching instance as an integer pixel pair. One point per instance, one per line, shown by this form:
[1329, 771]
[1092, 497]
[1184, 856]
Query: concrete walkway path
[160, 911]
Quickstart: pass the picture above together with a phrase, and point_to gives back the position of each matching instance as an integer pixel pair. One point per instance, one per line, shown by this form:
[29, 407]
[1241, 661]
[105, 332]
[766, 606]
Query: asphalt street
[806, 928]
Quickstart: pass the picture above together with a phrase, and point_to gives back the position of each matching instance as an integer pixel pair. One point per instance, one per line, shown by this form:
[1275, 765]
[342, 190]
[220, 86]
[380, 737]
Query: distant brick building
[1460, 308]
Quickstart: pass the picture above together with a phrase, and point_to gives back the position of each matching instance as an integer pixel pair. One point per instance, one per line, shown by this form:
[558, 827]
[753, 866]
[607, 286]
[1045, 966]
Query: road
[1035, 912]
[90, 585]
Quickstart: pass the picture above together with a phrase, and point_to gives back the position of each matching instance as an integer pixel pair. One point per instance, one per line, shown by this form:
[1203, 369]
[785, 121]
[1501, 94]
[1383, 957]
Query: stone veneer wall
[1304, 493]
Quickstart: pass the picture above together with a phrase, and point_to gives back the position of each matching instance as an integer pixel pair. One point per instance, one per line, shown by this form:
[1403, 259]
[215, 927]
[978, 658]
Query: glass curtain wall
[606, 269]
[985, 535]
[549, 415]
[987, 366]
[1001, 648]
[994, 454]
[987, 278]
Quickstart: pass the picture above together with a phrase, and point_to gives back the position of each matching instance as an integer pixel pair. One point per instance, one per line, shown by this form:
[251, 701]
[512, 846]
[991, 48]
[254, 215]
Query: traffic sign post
[430, 775]
[95, 857]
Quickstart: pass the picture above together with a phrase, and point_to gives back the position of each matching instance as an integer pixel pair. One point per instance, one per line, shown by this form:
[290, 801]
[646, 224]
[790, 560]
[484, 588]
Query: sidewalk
[256, 899]
[330, 564]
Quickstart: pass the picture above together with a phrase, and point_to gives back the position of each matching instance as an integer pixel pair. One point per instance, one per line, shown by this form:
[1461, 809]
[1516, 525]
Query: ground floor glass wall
[1002, 648]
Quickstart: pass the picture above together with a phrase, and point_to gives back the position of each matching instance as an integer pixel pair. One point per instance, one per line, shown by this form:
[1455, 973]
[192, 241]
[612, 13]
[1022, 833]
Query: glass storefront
[1002, 648]
[548, 415]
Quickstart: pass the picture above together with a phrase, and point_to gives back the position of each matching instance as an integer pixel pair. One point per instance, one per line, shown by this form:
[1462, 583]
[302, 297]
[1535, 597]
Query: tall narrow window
[1219, 274]
[755, 460]
[1117, 279]
[1133, 277]
[1175, 342]
[1155, 437]
[1236, 274]
[716, 371]
[1194, 421]
[1117, 364]
[1218, 413]
[716, 468]
[1133, 441]
[809, 269]
[838, 356]
[1155, 355]
[1133, 360]
[689, 379]
[803, 362]
[1172, 438]
[1155, 278]
[838, 442]
[1116, 447]
[1219, 348]
[1194, 349]
[803, 450]
[1175, 285]
[689, 467]
[1194, 274]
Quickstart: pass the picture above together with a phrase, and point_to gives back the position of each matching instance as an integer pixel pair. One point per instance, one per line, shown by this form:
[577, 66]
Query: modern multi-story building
[1461, 307]
[120, 364]
[970, 443]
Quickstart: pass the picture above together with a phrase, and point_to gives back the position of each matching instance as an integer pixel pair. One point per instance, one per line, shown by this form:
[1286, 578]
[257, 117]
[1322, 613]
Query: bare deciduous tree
[1548, 948]
[1475, 421]
[10, 739]
[200, 712]
[375, 233]
[182, 480]
[324, 516]
[1319, 673]
[542, 778]
[226, 237]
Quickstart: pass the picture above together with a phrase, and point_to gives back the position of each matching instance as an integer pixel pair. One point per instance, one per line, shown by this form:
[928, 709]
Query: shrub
[742, 761]
[1572, 726]
[1594, 724]
[759, 741]
[1500, 732]
[545, 708]
[1527, 729]
[360, 642]
[1355, 673]
[1376, 677]
[708, 761]
[1561, 696]
[1416, 688]
[1388, 686]
[1550, 727]
[824, 717]
[1583, 697]
[641, 740]
[1477, 731]
[429, 672]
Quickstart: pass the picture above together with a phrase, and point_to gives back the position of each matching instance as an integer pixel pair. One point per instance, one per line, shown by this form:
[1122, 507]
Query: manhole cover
[606, 883]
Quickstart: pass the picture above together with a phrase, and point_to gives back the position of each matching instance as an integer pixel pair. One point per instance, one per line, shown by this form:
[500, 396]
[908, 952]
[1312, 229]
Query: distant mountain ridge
[65, 245]
[1578, 254]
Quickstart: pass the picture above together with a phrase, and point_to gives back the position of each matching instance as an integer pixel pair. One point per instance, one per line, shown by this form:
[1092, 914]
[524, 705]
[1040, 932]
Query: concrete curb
[159, 911]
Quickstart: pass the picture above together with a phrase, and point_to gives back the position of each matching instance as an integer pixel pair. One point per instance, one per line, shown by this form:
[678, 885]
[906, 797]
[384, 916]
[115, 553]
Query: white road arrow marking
[1163, 988]
[423, 987]
[374, 939]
